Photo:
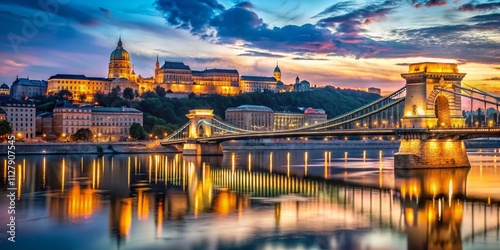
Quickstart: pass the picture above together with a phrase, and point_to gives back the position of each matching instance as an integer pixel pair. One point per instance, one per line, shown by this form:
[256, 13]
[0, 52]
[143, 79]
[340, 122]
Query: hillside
[163, 111]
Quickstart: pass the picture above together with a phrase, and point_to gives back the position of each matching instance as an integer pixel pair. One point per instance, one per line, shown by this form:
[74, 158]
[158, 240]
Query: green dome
[119, 53]
[277, 69]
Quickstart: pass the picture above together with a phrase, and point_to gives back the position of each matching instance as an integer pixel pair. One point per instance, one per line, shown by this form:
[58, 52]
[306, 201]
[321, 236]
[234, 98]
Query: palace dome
[119, 53]
[277, 69]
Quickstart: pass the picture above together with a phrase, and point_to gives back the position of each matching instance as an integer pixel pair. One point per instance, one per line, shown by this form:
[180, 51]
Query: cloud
[341, 31]
[492, 79]
[193, 15]
[479, 7]
[81, 16]
[335, 8]
[307, 58]
[260, 53]
[402, 64]
[428, 3]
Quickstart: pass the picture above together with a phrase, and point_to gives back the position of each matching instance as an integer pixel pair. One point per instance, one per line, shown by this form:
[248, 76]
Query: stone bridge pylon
[427, 107]
[200, 121]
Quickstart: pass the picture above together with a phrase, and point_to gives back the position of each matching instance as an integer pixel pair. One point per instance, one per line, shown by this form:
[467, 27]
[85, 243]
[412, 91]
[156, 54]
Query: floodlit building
[258, 84]
[4, 89]
[106, 124]
[23, 88]
[21, 116]
[251, 117]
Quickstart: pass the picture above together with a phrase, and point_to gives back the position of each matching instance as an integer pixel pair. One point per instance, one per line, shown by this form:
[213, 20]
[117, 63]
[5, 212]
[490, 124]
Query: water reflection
[260, 199]
[433, 204]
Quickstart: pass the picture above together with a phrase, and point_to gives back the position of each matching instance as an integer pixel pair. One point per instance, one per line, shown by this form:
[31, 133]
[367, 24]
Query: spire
[120, 44]
[157, 63]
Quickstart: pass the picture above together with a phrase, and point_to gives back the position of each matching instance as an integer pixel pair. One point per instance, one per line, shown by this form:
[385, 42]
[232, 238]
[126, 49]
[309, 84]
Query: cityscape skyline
[342, 43]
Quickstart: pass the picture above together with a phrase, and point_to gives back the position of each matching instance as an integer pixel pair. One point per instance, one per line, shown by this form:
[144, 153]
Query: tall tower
[119, 62]
[277, 73]
[157, 68]
[427, 107]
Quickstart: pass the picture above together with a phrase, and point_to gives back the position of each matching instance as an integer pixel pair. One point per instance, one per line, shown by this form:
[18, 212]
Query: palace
[175, 77]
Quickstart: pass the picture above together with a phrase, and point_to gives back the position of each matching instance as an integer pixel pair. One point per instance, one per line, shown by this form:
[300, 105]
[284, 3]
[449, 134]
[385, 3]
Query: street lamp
[150, 136]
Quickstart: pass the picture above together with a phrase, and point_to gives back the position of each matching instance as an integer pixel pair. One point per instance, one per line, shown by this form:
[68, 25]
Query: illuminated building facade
[68, 119]
[113, 124]
[314, 116]
[176, 77]
[283, 120]
[21, 116]
[4, 89]
[108, 124]
[258, 84]
[251, 117]
[24, 87]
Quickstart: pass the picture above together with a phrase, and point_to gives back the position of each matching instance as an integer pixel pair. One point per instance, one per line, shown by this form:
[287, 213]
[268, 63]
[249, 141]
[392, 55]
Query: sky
[351, 44]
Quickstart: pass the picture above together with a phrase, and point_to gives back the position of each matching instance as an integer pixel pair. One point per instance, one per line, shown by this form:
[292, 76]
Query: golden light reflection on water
[433, 198]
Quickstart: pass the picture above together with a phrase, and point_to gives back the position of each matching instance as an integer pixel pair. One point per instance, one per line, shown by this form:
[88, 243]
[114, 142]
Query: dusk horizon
[348, 44]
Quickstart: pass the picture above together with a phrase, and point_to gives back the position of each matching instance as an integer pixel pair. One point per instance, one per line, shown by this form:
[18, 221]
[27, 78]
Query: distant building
[69, 118]
[21, 116]
[314, 116]
[283, 120]
[44, 123]
[260, 118]
[4, 89]
[301, 86]
[113, 124]
[80, 85]
[257, 84]
[107, 124]
[24, 87]
[251, 117]
[374, 90]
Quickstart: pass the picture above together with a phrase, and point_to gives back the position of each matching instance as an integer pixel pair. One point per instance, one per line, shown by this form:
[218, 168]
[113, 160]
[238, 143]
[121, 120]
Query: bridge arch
[199, 120]
[442, 109]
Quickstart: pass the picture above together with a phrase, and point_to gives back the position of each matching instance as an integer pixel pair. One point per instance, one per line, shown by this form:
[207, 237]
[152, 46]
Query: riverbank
[88, 148]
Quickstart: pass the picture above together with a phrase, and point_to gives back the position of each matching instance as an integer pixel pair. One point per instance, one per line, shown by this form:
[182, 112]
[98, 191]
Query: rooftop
[77, 77]
[6, 100]
[258, 78]
[250, 107]
[175, 65]
[28, 82]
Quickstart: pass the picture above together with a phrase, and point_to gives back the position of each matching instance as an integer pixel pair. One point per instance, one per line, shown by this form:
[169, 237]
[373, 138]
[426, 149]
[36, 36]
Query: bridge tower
[427, 107]
[200, 121]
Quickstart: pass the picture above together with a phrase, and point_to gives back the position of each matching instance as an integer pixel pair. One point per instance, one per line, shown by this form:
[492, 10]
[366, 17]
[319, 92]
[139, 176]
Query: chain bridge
[426, 114]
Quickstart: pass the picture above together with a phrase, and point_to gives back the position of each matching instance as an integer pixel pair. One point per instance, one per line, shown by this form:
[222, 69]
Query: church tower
[119, 62]
[277, 73]
[157, 69]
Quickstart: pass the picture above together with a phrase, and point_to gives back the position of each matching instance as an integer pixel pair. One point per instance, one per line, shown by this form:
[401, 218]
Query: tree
[160, 91]
[136, 93]
[82, 97]
[64, 94]
[128, 93]
[137, 131]
[5, 128]
[83, 134]
[149, 94]
[115, 91]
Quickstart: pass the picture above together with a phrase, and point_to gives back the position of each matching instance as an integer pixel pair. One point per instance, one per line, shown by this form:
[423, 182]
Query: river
[256, 199]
